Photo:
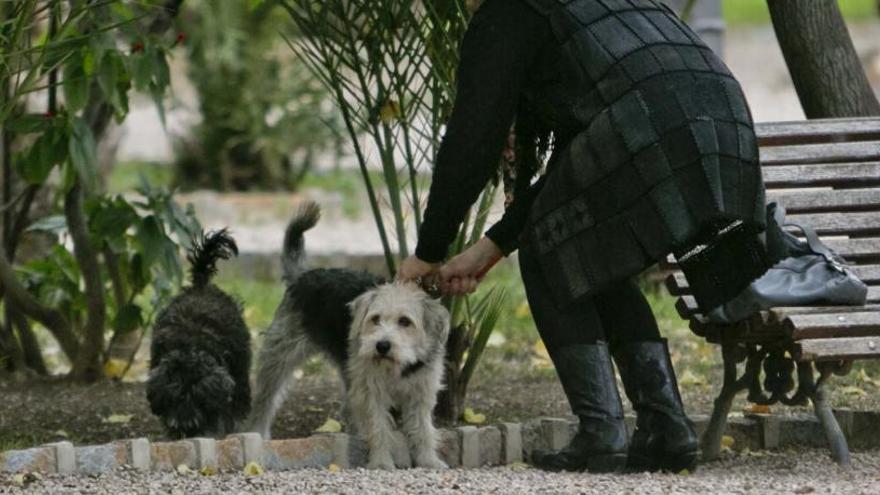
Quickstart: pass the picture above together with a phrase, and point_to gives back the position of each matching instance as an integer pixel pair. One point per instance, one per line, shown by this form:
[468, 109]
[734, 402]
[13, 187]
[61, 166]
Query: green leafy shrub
[85, 58]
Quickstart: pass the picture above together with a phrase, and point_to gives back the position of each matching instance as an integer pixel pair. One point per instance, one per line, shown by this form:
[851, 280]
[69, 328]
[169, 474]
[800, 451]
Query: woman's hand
[463, 273]
[412, 269]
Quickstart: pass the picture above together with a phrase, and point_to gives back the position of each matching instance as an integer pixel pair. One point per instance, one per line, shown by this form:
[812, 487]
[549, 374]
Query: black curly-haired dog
[201, 351]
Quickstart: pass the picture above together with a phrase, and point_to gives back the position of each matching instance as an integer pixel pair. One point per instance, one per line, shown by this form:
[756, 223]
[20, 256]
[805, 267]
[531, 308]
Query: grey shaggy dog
[201, 351]
[388, 341]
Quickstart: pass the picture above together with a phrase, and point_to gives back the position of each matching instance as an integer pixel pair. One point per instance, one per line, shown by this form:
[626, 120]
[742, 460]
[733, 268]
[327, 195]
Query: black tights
[617, 315]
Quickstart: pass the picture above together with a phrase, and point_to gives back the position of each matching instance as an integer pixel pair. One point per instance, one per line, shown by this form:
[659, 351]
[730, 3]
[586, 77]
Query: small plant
[84, 58]
[390, 68]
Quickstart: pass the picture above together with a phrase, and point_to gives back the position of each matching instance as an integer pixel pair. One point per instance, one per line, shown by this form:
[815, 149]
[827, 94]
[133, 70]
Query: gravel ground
[795, 472]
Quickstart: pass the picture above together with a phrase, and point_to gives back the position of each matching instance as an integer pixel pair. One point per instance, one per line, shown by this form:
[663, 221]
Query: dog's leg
[418, 426]
[284, 347]
[369, 405]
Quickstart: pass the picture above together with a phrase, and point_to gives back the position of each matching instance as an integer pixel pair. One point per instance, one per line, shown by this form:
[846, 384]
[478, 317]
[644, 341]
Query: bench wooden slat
[826, 175]
[817, 326]
[816, 131]
[678, 285]
[687, 305]
[820, 153]
[777, 315]
[836, 349]
[854, 223]
[827, 200]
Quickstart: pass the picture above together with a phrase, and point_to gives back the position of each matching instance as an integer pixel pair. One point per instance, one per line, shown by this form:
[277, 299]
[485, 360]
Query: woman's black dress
[654, 147]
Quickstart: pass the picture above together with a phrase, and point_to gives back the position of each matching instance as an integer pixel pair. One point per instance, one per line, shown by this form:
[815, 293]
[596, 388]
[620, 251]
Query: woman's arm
[499, 46]
[505, 233]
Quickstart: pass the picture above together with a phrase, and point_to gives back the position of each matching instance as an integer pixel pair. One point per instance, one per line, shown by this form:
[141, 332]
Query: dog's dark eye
[404, 321]
[375, 320]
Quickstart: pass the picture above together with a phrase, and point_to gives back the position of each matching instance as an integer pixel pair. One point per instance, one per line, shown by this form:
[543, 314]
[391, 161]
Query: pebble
[791, 471]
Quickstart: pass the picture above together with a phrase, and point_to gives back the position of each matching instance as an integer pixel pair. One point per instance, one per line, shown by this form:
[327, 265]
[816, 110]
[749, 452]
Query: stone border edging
[463, 446]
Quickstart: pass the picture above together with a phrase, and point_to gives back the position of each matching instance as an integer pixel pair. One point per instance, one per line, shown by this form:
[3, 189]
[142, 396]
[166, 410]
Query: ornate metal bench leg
[711, 441]
[833, 433]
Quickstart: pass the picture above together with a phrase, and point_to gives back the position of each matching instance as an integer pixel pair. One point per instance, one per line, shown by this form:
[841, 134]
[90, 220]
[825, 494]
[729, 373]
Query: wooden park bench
[827, 175]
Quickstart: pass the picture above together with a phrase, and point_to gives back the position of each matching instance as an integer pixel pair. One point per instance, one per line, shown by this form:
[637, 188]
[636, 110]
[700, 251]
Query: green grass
[739, 12]
[259, 298]
[126, 176]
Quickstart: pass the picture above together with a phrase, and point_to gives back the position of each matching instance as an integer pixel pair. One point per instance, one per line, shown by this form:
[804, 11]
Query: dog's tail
[293, 252]
[206, 250]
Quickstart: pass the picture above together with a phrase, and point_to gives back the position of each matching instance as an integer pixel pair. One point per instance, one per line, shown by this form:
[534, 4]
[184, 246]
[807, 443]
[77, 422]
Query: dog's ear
[436, 318]
[359, 307]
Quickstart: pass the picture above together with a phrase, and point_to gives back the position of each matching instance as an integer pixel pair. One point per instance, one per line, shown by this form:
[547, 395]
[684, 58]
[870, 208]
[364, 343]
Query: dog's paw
[431, 462]
[380, 463]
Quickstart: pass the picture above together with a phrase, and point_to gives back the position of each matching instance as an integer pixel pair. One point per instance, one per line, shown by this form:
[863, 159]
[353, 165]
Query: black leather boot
[664, 438]
[599, 446]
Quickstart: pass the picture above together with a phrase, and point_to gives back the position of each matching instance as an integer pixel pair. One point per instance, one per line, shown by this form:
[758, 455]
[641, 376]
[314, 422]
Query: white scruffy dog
[387, 339]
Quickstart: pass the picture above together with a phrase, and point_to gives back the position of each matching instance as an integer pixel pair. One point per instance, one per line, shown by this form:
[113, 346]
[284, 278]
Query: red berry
[137, 46]
[49, 115]
[181, 37]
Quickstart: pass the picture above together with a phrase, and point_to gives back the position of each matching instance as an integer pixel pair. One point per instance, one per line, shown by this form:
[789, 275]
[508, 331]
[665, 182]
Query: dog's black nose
[383, 346]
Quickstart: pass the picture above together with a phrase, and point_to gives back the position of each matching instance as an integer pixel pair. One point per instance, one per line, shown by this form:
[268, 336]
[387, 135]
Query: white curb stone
[206, 452]
[449, 448]
[139, 453]
[37, 459]
[341, 443]
[251, 446]
[490, 446]
[511, 443]
[557, 432]
[65, 457]
[470, 446]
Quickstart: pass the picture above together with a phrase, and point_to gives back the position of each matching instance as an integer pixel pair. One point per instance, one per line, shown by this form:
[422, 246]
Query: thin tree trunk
[821, 59]
[87, 366]
[33, 356]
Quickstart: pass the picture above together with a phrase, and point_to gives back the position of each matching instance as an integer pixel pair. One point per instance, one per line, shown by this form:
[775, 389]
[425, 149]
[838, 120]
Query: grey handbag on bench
[810, 274]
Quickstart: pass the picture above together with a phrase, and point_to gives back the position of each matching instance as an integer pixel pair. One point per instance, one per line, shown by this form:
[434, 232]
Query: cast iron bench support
[827, 175]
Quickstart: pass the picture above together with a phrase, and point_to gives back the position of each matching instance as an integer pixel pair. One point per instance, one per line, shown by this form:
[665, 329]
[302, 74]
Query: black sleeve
[505, 232]
[498, 48]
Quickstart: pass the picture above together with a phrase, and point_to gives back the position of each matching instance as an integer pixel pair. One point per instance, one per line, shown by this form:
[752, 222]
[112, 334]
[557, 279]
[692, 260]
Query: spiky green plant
[390, 66]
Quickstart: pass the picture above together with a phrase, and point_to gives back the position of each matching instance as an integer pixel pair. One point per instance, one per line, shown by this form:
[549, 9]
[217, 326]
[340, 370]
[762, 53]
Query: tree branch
[87, 365]
[29, 305]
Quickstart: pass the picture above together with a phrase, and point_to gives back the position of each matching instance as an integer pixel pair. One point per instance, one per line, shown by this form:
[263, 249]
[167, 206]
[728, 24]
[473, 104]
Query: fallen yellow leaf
[113, 368]
[334, 468]
[727, 441]
[853, 390]
[208, 471]
[61, 433]
[684, 472]
[118, 418]
[330, 426]
[184, 469]
[757, 409]
[473, 418]
[253, 469]
[865, 378]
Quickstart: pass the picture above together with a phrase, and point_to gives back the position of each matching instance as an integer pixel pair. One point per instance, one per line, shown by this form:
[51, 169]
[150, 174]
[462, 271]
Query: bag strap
[816, 245]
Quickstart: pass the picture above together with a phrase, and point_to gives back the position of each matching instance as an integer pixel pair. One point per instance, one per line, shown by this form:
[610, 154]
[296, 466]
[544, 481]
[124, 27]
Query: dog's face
[396, 325]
